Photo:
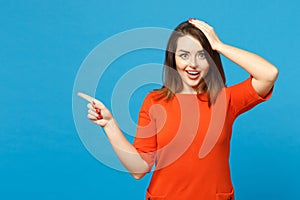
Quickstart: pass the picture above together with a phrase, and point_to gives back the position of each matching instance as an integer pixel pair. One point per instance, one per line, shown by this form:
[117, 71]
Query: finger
[98, 104]
[205, 25]
[92, 117]
[207, 31]
[199, 21]
[99, 117]
[91, 107]
[201, 24]
[95, 103]
[98, 111]
[86, 97]
[95, 114]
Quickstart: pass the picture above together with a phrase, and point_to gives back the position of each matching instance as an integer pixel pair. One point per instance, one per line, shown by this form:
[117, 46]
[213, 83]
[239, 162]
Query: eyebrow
[202, 51]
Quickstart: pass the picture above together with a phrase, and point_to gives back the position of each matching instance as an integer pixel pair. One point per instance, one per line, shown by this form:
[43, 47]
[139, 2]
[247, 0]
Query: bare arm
[263, 72]
[125, 151]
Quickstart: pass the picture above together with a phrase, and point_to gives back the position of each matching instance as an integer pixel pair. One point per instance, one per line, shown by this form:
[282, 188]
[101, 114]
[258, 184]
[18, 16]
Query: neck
[191, 90]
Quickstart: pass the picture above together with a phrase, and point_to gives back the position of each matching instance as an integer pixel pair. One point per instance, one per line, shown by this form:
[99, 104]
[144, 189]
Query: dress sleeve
[145, 139]
[243, 97]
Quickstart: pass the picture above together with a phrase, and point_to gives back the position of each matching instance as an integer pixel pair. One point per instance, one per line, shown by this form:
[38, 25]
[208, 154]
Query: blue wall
[43, 44]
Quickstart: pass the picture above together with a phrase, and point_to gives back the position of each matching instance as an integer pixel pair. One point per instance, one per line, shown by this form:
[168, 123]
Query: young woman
[185, 127]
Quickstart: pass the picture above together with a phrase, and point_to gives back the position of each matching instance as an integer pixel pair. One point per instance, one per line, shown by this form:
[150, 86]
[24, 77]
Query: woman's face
[191, 62]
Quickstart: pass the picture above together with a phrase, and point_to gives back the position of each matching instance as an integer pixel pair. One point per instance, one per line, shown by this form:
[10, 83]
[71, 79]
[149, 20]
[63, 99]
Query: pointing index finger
[86, 97]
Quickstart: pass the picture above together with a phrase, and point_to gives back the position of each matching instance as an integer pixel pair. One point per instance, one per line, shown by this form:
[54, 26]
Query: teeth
[192, 73]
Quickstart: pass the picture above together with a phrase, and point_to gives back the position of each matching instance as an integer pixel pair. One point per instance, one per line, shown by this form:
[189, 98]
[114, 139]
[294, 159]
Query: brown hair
[213, 82]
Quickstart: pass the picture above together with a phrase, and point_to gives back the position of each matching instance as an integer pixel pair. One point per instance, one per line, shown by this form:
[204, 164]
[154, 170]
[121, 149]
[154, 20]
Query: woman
[185, 127]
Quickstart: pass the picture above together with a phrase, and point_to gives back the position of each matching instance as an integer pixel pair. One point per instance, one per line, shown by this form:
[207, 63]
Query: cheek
[180, 64]
[205, 70]
[204, 66]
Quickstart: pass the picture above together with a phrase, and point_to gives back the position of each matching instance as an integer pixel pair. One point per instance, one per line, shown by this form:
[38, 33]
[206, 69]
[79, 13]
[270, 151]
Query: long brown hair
[213, 82]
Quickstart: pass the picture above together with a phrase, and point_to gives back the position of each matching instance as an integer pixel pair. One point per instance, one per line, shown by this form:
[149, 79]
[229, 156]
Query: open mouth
[192, 74]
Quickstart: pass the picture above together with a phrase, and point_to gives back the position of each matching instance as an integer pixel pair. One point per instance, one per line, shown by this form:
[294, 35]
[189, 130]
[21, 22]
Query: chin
[194, 84]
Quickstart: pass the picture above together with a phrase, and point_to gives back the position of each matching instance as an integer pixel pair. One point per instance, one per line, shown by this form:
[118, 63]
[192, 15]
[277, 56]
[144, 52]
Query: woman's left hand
[208, 32]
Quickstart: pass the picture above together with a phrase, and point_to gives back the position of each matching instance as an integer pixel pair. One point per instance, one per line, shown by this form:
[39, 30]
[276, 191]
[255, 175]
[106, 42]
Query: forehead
[188, 43]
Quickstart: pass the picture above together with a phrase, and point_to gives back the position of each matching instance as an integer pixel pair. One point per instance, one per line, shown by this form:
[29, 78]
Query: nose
[192, 62]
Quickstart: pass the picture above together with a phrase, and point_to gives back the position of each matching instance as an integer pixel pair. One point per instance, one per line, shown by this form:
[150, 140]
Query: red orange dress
[189, 142]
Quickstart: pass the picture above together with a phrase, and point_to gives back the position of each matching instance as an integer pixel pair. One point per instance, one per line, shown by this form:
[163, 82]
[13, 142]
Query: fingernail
[190, 19]
[94, 103]
[97, 111]
[100, 117]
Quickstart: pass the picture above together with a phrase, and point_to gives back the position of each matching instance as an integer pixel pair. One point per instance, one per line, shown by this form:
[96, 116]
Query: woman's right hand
[97, 112]
[125, 151]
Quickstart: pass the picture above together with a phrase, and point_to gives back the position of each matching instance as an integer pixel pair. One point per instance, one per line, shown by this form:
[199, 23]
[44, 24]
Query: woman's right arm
[125, 151]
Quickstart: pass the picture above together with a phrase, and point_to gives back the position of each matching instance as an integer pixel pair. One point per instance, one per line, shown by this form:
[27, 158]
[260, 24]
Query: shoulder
[154, 96]
[242, 96]
[245, 84]
[246, 88]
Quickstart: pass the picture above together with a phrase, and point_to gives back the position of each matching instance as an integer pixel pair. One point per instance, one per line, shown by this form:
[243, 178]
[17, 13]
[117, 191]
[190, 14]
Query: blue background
[43, 44]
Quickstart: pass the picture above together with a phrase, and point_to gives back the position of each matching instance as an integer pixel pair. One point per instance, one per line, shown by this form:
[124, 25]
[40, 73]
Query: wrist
[110, 124]
[220, 47]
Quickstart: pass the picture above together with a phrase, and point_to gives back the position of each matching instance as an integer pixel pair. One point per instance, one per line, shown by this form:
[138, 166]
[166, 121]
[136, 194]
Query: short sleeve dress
[188, 142]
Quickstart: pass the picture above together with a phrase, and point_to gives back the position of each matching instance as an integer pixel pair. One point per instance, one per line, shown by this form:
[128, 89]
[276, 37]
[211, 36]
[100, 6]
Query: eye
[201, 55]
[184, 56]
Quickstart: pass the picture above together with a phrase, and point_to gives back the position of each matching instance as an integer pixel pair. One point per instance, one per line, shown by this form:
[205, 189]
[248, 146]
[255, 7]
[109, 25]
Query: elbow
[275, 73]
[141, 173]
[272, 75]
[138, 176]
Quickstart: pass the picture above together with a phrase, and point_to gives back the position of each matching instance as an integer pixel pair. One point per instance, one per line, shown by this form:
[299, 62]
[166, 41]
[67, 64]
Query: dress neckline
[201, 96]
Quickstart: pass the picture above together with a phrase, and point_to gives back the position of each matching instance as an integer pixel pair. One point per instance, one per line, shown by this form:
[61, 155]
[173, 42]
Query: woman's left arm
[263, 72]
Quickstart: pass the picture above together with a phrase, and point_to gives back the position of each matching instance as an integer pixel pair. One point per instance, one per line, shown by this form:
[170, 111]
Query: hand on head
[208, 32]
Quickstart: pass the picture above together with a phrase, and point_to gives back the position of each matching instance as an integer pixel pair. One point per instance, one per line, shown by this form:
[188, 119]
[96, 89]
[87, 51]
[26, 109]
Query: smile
[193, 74]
